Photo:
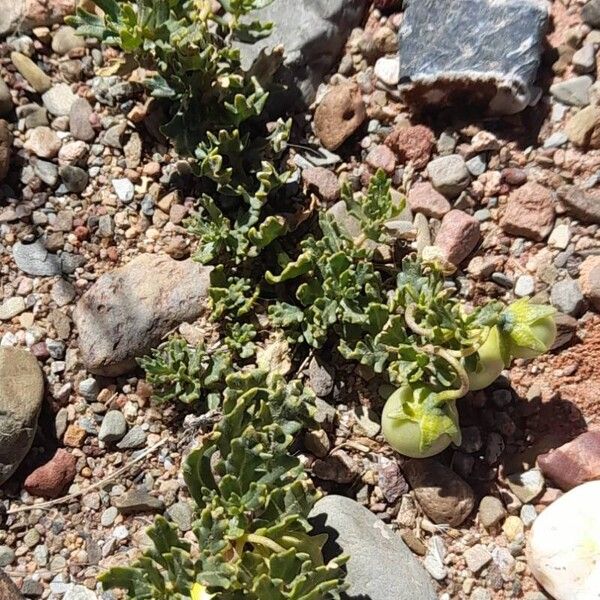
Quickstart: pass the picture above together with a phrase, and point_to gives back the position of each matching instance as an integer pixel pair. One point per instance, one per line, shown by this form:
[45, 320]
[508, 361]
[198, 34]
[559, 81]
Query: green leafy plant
[252, 537]
[182, 373]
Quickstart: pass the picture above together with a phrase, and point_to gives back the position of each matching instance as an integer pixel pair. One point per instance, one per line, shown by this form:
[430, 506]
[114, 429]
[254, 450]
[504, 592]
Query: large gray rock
[484, 52]
[129, 311]
[21, 393]
[312, 33]
[27, 14]
[381, 566]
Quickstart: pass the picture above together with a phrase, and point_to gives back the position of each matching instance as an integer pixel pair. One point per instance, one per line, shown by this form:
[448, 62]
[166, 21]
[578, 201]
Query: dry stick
[94, 486]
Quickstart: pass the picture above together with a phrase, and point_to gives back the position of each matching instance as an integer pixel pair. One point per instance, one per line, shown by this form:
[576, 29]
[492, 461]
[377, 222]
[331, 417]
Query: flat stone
[573, 463]
[381, 157]
[583, 128]
[43, 141]
[493, 62]
[108, 516]
[564, 545]
[59, 100]
[12, 307]
[458, 236]
[380, 566]
[566, 296]
[524, 286]
[423, 198]
[584, 60]
[387, 70]
[340, 113]
[323, 181]
[320, 377]
[449, 175]
[21, 393]
[34, 76]
[443, 495]
[113, 427]
[312, 33]
[477, 557]
[590, 13]
[573, 92]
[130, 310]
[79, 120]
[134, 438]
[182, 515]
[137, 501]
[526, 486]
[529, 212]
[34, 259]
[74, 178]
[582, 205]
[124, 189]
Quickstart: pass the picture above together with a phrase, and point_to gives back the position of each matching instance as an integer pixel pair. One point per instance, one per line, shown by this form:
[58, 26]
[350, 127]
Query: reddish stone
[81, 232]
[40, 350]
[112, 253]
[341, 112]
[574, 463]
[322, 181]
[514, 176]
[529, 212]
[589, 280]
[412, 144]
[53, 478]
[458, 236]
[381, 157]
[423, 198]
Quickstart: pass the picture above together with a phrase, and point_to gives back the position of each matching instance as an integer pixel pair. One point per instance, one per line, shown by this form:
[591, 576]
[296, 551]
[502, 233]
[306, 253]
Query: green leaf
[110, 8]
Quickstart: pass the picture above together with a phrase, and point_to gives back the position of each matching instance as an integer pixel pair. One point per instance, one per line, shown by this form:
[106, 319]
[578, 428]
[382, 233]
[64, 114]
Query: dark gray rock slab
[312, 33]
[130, 310]
[484, 52]
[381, 566]
[34, 259]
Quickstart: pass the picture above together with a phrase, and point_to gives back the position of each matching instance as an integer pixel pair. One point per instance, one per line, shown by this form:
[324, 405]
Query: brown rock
[458, 236]
[574, 463]
[322, 181]
[339, 115]
[589, 280]
[583, 128]
[130, 310]
[8, 590]
[583, 205]
[514, 176]
[5, 145]
[529, 212]
[412, 144]
[381, 157]
[442, 494]
[338, 467]
[423, 198]
[74, 436]
[53, 478]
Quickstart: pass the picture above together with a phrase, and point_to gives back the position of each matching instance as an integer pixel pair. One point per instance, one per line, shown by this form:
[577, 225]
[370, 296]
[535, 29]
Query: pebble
[36, 78]
[320, 377]
[108, 516]
[63, 292]
[7, 556]
[583, 128]
[513, 528]
[74, 178]
[566, 296]
[423, 198]
[458, 236]
[574, 91]
[43, 142]
[136, 501]
[477, 557]
[124, 189]
[528, 515]
[34, 259]
[134, 438]
[556, 140]
[6, 102]
[528, 485]
[524, 286]
[560, 237]
[434, 559]
[79, 120]
[113, 427]
[182, 515]
[477, 165]
[59, 100]
[491, 512]
[66, 39]
[449, 175]
[387, 70]
[12, 307]
[120, 532]
[584, 60]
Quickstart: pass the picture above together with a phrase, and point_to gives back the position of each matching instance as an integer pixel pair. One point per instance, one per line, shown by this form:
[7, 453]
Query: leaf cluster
[252, 538]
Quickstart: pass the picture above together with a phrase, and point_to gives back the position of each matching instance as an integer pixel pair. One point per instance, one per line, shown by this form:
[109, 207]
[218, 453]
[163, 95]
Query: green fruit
[544, 330]
[414, 425]
[489, 364]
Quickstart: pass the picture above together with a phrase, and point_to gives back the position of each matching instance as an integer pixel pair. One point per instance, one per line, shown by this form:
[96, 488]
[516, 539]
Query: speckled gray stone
[313, 34]
[475, 51]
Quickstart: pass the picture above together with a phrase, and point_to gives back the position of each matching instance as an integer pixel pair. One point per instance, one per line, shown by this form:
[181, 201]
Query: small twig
[409, 317]
[94, 486]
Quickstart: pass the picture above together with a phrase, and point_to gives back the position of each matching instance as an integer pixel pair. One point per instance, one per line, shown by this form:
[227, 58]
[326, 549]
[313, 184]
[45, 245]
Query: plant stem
[463, 377]
[409, 317]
